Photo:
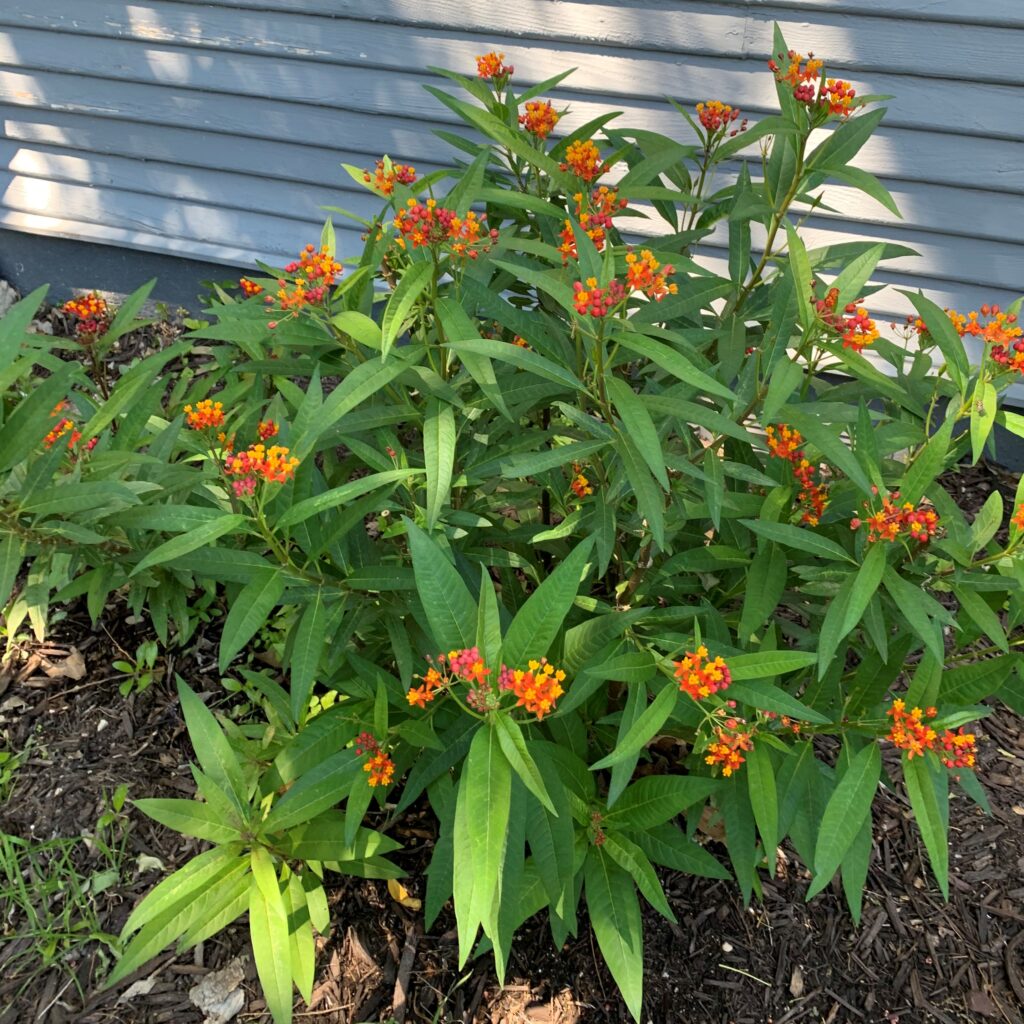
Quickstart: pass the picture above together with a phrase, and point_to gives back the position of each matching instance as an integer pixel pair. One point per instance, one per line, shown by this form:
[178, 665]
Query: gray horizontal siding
[217, 128]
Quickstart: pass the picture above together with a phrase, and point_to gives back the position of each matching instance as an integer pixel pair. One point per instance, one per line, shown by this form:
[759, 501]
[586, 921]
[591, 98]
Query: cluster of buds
[205, 415]
[465, 665]
[895, 520]
[92, 316]
[716, 117]
[583, 159]
[731, 739]
[65, 428]
[580, 485]
[785, 443]
[536, 688]
[856, 328]
[912, 732]
[701, 676]
[379, 765]
[645, 274]
[267, 429]
[491, 67]
[385, 175]
[839, 96]
[427, 224]
[594, 211]
[592, 300]
[249, 288]
[539, 118]
[595, 830]
[273, 465]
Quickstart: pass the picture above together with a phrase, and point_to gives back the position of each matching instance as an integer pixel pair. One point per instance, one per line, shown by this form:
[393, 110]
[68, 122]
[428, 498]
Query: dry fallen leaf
[796, 983]
[72, 667]
[400, 894]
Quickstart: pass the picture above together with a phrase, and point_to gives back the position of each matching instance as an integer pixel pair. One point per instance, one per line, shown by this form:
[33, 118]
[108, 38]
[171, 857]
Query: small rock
[796, 983]
[41, 327]
[219, 995]
[8, 296]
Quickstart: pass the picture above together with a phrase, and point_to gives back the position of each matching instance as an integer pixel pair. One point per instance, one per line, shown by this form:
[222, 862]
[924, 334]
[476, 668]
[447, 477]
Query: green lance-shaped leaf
[656, 799]
[487, 778]
[190, 819]
[447, 602]
[415, 279]
[439, 456]
[615, 916]
[643, 729]
[517, 753]
[764, 799]
[638, 424]
[926, 789]
[250, 611]
[799, 538]
[984, 406]
[632, 858]
[308, 644]
[540, 619]
[845, 813]
[268, 930]
[212, 748]
[191, 541]
[943, 333]
[765, 664]
[849, 605]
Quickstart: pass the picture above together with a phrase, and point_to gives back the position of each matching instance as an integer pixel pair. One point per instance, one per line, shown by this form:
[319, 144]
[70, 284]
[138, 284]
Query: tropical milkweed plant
[615, 553]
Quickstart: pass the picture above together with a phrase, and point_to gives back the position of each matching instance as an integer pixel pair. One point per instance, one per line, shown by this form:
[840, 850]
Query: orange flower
[716, 116]
[267, 429]
[427, 224]
[540, 118]
[1018, 517]
[537, 688]
[700, 677]
[384, 180]
[645, 274]
[1001, 333]
[491, 67]
[959, 748]
[784, 443]
[205, 415]
[584, 160]
[249, 288]
[730, 739]
[92, 315]
[857, 328]
[580, 484]
[597, 302]
[594, 211]
[64, 426]
[894, 520]
[839, 97]
[909, 731]
[381, 769]
[272, 465]
[802, 76]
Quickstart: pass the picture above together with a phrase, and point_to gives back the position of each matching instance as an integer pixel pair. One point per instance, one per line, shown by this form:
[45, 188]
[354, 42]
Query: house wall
[215, 130]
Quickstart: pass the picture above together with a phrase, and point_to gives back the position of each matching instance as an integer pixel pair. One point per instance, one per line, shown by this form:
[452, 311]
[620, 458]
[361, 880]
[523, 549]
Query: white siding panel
[216, 129]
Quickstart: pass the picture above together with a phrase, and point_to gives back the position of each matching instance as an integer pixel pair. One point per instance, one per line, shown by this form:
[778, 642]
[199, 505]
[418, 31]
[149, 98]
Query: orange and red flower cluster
[492, 67]
[383, 180]
[731, 738]
[784, 443]
[716, 116]
[700, 676]
[427, 224]
[839, 96]
[583, 158]
[66, 428]
[1001, 333]
[380, 767]
[594, 211]
[537, 688]
[267, 429]
[856, 328]
[645, 274]
[257, 462]
[249, 288]
[894, 520]
[1018, 517]
[205, 415]
[92, 315]
[539, 118]
[317, 270]
[594, 301]
[911, 732]
[581, 485]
